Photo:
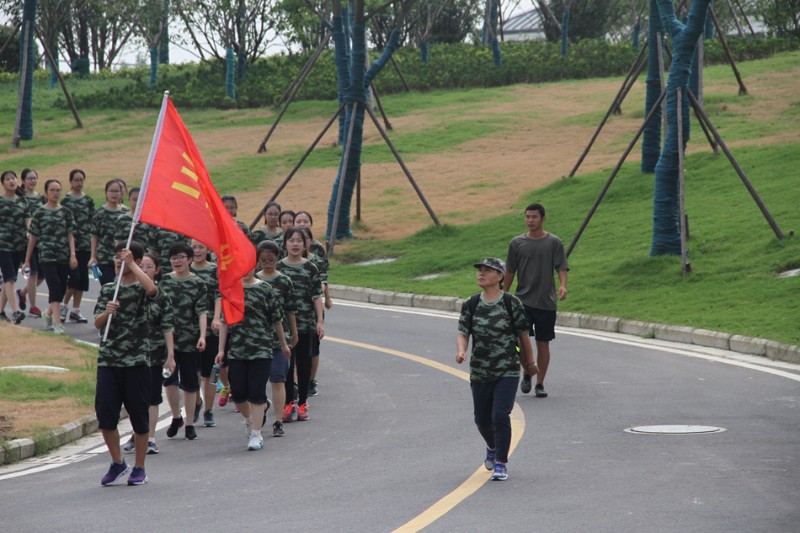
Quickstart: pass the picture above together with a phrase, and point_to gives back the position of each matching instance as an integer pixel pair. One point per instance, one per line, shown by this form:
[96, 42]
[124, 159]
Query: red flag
[177, 194]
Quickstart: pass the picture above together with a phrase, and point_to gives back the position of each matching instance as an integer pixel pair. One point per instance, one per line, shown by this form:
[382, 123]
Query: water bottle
[26, 272]
[96, 272]
[166, 372]
[215, 370]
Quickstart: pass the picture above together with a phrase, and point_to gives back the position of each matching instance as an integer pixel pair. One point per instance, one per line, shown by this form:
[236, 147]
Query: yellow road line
[479, 477]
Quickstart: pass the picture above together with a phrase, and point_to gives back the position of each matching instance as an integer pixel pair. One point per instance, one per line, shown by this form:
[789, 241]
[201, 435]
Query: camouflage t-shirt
[82, 209]
[52, 227]
[246, 340]
[126, 343]
[262, 234]
[160, 319]
[34, 201]
[494, 338]
[143, 235]
[13, 214]
[160, 241]
[319, 262]
[245, 229]
[284, 292]
[307, 288]
[110, 226]
[318, 249]
[189, 300]
[209, 275]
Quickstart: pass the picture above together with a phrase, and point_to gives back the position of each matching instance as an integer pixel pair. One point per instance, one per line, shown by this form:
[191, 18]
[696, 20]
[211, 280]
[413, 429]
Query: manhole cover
[674, 430]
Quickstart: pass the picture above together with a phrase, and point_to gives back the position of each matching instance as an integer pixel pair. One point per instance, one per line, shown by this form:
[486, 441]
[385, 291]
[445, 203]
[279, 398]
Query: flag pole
[142, 197]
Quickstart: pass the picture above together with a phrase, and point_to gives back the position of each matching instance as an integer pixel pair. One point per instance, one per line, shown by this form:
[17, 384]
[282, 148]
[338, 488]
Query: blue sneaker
[137, 477]
[115, 473]
[491, 456]
[500, 473]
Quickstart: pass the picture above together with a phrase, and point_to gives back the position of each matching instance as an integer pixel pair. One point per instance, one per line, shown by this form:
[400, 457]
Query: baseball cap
[492, 262]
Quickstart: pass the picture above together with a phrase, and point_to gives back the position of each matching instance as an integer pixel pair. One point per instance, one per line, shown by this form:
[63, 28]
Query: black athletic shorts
[123, 386]
[208, 355]
[79, 278]
[187, 366]
[9, 265]
[249, 380]
[156, 381]
[55, 274]
[541, 323]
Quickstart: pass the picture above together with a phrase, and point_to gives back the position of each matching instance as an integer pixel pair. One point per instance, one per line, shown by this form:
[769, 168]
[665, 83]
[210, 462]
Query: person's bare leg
[209, 392]
[278, 400]
[257, 416]
[314, 367]
[153, 412]
[10, 296]
[141, 448]
[542, 360]
[173, 399]
[30, 291]
[68, 295]
[55, 310]
[189, 403]
[111, 438]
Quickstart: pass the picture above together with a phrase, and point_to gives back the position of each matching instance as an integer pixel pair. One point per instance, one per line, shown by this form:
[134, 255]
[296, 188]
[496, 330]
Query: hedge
[450, 66]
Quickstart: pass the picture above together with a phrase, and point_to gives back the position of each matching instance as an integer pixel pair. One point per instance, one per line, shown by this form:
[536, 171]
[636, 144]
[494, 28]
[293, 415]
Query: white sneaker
[256, 441]
[58, 329]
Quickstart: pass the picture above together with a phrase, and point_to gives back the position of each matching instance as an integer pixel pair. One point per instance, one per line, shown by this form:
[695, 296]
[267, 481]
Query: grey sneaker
[208, 419]
[525, 386]
[152, 449]
[130, 445]
[312, 388]
[277, 429]
[539, 391]
[64, 310]
[491, 456]
[77, 316]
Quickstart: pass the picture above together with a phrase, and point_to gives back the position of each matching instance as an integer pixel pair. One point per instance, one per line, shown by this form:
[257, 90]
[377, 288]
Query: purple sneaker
[137, 477]
[115, 473]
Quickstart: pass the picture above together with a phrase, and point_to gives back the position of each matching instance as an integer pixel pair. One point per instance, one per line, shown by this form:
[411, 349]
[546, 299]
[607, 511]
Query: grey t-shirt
[535, 261]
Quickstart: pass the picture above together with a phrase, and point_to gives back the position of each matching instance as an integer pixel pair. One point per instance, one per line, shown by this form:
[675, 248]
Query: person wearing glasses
[189, 296]
[110, 224]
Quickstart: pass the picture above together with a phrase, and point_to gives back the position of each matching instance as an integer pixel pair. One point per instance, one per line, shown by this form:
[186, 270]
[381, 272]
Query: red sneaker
[35, 311]
[224, 394]
[287, 412]
[302, 411]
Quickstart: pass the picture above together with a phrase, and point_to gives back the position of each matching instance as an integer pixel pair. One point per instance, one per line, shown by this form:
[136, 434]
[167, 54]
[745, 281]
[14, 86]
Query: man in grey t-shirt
[534, 257]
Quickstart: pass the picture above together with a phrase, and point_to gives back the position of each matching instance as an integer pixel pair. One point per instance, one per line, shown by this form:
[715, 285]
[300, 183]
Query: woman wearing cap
[496, 321]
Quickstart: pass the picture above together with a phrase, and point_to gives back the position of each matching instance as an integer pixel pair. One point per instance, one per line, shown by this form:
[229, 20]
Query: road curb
[19, 449]
[773, 350]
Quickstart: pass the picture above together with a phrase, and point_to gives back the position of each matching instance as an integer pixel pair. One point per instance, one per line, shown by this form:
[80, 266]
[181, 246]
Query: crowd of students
[167, 319]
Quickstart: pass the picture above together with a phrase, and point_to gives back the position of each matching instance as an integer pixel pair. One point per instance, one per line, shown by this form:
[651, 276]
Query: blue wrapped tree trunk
[651, 137]
[230, 73]
[565, 33]
[355, 82]
[666, 214]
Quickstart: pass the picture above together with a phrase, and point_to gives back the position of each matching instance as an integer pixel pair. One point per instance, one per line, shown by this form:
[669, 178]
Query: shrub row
[450, 66]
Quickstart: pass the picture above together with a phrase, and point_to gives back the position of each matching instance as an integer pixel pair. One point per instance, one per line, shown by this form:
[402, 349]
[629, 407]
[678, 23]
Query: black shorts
[108, 272]
[541, 323]
[249, 380]
[314, 345]
[187, 365]
[156, 381]
[208, 355]
[79, 278]
[55, 274]
[9, 265]
[118, 386]
[34, 264]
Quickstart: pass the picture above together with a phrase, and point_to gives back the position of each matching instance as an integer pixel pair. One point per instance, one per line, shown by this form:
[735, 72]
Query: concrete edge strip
[19, 449]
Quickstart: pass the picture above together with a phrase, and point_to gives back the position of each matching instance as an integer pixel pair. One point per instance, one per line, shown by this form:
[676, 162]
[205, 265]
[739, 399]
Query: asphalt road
[391, 444]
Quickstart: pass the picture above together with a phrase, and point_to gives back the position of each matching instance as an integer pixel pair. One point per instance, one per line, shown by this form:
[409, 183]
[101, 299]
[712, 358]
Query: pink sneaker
[224, 394]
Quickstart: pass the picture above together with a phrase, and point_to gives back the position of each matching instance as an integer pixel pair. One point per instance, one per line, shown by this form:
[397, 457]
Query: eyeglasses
[181, 257]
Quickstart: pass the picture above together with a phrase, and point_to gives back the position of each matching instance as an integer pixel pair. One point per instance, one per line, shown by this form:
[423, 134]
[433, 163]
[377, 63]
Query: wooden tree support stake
[685, 267]
[67, 95]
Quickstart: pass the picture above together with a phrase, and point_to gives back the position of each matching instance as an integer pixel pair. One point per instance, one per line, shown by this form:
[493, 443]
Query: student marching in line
[52, 228]
[143, 232]
[232, 206]
[161, 241]
[14, 219]
[207, 271]
[160, 349]
[286, 219]
[82, 208]
[27, 189]
[268, 254]
[123, 377]
[320, 259]
[110, 224]
[251, 356]
[310, 320]
[190, 304]
[271, 230]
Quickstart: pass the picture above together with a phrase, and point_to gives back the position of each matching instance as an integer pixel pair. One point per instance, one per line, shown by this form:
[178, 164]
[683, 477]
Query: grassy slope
[734, 254]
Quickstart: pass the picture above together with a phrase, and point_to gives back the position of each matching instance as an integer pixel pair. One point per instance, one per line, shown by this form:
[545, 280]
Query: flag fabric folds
[177, 194]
